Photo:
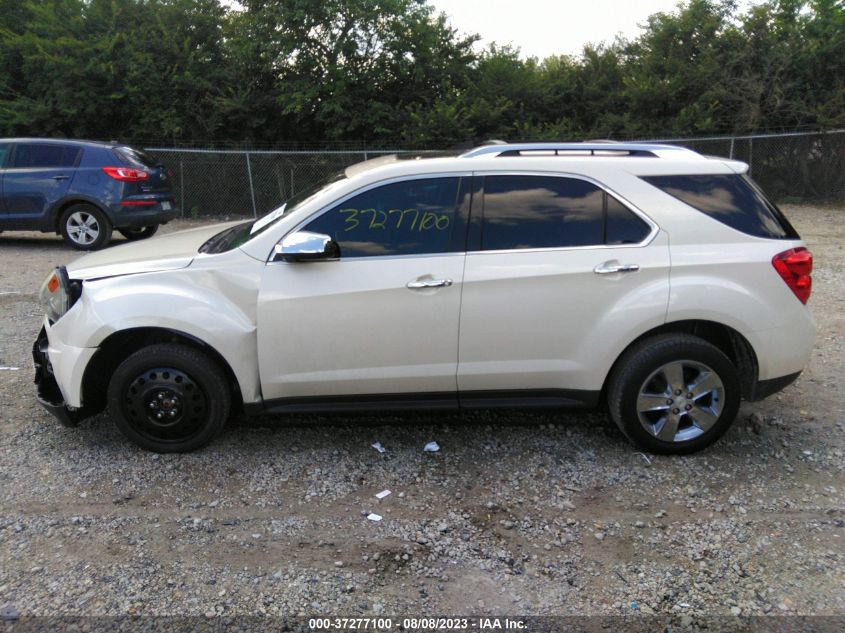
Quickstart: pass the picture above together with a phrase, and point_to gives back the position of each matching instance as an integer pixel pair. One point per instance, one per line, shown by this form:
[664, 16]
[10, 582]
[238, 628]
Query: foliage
[394, 71]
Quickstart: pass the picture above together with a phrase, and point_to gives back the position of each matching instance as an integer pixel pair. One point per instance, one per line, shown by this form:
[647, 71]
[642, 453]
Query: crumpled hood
[165, 252]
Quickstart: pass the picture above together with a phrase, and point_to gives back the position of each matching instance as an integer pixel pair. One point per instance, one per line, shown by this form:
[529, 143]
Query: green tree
[347, 69]
[113, 68]
[387, 71]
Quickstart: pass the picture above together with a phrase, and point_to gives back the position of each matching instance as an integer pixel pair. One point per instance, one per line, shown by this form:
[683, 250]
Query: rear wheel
[139, 234]
[674, 393]
[85, 227]
[169, 398]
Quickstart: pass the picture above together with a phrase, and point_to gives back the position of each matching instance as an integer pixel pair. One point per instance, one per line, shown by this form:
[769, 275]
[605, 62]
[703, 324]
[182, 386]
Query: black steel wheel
[169, 398]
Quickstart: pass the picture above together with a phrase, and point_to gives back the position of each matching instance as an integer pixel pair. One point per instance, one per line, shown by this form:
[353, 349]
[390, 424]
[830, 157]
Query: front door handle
[422, 284]
[608, 268]
[60, 177]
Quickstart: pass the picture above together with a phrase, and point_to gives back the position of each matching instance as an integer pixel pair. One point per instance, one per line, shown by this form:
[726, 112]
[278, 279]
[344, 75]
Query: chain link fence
[240, 183]
[231, 183]
[791, 167]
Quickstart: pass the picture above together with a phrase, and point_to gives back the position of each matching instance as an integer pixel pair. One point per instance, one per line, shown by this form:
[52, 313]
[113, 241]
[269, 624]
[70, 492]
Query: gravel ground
[519, 512]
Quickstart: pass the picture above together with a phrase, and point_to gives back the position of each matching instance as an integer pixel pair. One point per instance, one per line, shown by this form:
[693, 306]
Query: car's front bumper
[58, 377]
[47, 392]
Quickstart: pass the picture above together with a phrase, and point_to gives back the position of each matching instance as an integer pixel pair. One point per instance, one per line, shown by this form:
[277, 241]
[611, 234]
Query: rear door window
[731, 199]
[523, 212]
[4, 151]
[623, 226]
[46, 155]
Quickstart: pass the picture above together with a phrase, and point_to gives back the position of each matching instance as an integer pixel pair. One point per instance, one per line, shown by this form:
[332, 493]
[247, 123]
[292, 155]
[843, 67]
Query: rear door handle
[607, 268]
[60, 177]
[422, 284]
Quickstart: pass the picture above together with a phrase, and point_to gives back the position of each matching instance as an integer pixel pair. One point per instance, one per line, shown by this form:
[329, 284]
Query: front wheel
[674, 393]
[139, 234]
[169, 398]
[85, 227]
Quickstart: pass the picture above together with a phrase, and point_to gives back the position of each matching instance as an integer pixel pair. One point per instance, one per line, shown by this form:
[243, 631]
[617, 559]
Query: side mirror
[304, 246]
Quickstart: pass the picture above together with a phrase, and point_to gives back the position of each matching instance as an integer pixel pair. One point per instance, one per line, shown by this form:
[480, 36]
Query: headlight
[55, 294]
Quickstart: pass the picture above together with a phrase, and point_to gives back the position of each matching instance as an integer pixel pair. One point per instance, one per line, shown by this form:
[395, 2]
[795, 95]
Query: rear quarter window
[731, 199]
[135, 157]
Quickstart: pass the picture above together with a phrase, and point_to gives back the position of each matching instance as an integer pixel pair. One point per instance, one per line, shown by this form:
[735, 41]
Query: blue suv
[82, 190]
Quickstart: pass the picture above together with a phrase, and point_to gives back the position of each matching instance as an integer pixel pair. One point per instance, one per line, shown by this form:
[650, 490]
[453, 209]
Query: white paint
[530, 319]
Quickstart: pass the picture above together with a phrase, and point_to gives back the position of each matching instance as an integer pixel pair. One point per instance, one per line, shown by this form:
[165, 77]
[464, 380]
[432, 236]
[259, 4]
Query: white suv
[648, 277]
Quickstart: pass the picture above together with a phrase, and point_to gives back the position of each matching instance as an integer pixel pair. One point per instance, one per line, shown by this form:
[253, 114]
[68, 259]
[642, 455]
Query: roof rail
[602, 148]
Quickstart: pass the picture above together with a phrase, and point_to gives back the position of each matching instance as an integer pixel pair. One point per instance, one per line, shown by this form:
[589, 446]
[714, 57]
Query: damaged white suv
[646, 277]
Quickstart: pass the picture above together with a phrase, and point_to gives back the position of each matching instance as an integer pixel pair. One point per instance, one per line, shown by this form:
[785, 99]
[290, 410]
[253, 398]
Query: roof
[637, 158]
[600, 148]
[63, 141]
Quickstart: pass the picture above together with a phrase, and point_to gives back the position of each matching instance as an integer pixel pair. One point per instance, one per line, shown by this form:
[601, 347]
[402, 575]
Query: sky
[552, 27]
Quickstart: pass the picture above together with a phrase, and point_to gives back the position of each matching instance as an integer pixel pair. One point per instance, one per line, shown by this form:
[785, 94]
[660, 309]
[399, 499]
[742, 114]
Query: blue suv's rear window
[132, 156]
[731, 199]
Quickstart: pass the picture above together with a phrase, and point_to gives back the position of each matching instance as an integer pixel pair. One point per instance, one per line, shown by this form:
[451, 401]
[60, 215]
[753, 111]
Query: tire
[139, 234]
[646, 407]
[169, 398]
[85, 227]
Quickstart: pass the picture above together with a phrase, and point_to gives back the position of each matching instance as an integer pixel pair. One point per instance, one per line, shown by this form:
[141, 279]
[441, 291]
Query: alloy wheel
[83, 228]
[680, 401]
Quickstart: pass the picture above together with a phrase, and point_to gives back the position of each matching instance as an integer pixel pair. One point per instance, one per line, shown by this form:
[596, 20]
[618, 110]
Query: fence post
[182, 185]
[750, 156]
[732, 148]
[251, 188]
[280, 181]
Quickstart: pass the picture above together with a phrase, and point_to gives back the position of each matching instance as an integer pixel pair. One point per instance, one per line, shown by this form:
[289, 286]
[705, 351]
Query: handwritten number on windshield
[407, 219]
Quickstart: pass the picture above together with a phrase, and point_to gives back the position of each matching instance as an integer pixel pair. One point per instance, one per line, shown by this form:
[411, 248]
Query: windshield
[238, 235]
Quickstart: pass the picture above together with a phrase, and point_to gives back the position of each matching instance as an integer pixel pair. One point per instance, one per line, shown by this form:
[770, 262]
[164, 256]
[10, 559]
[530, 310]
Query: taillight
[126, 174]
[795, 266]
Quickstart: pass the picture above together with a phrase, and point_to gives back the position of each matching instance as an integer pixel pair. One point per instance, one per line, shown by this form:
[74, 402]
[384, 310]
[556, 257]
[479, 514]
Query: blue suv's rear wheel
[139, 234]
[85, 227]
